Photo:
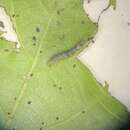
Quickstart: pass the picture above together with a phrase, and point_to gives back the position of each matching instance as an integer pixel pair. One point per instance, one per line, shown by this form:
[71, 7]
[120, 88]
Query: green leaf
[113, 3]
[44, 86]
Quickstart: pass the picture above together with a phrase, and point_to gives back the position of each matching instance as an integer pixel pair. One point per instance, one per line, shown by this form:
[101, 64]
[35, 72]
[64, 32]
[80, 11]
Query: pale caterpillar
[74, 50]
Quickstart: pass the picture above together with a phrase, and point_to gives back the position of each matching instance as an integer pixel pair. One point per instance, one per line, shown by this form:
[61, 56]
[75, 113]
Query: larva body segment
[72, 51]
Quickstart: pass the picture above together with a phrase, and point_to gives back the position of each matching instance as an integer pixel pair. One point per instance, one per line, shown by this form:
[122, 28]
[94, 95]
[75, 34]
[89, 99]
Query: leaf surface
[44, 86]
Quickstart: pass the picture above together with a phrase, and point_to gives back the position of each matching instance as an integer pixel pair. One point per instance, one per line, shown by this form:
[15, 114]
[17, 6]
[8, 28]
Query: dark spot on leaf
[83, 111]
[9, 113]
[82, 22]
[38, 29]
[29, 102]
[13, 129]
[74, 65]
[31, 75]
[34, 38]
[6, 50]
[43, 123]
[62, 37]
[15, 98]
[60, 88]
[54, 85]
[40, 51]
[34, 44]
[13, 15]
[40, 129]
[58, 12]
[57, 118]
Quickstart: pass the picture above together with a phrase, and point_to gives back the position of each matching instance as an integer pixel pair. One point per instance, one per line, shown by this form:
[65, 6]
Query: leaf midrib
[24, 85]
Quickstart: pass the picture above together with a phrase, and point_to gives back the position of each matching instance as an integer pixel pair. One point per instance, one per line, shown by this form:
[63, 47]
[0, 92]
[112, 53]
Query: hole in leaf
[7, 30]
